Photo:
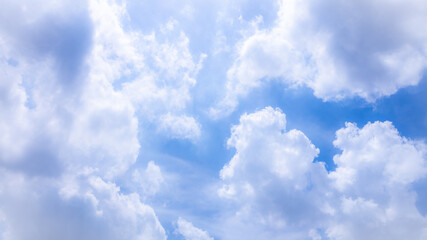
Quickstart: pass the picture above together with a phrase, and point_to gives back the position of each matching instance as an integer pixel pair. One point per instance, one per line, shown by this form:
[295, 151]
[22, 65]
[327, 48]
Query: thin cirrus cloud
[102, 137]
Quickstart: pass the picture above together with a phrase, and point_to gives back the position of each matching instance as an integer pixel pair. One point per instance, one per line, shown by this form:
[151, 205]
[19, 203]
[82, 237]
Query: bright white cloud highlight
[339, 49]
[154, 71]
[377, 145]
[277, 191]
[80, 87]
[72, 128]
[272, 179]
[374, 175]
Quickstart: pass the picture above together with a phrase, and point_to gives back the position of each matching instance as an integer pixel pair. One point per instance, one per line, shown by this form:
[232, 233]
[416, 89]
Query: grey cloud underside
[66, 134]
[64, 38]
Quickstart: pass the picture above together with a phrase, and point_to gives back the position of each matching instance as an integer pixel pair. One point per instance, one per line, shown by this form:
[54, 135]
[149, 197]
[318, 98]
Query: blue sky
[200, 120]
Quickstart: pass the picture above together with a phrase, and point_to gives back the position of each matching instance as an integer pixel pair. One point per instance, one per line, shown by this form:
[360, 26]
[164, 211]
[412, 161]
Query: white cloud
[77, 206]
[64, 112]
[67, 131]
[74, 93]
[276, 191]
[374, 175]
[179, 126]
[150, 180]
[338, 49]
[290, 153]
[72, 114]
[167, 86]
[190, 232]
[104, 126]
[132, 219]
[13, 123]
[377, 145]
[272, 179]
[156, 71]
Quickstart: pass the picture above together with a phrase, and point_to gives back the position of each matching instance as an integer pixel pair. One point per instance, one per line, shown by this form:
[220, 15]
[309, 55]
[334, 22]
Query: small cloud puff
[183, 127]
[150, 179]
[190, 232]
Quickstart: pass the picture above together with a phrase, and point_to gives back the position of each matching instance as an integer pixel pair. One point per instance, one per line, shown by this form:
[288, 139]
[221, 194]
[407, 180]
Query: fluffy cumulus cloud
[154, 71]
[277, 189]
[373, 179]
[339, 49]
[75, 86]
[82, 90]
[272, 179]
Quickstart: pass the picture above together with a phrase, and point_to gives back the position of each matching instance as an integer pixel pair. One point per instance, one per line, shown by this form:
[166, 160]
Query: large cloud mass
[69, 124]
[272, 179]
[374, 178]
[82, 90]
[281, 193]
[339, 49]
